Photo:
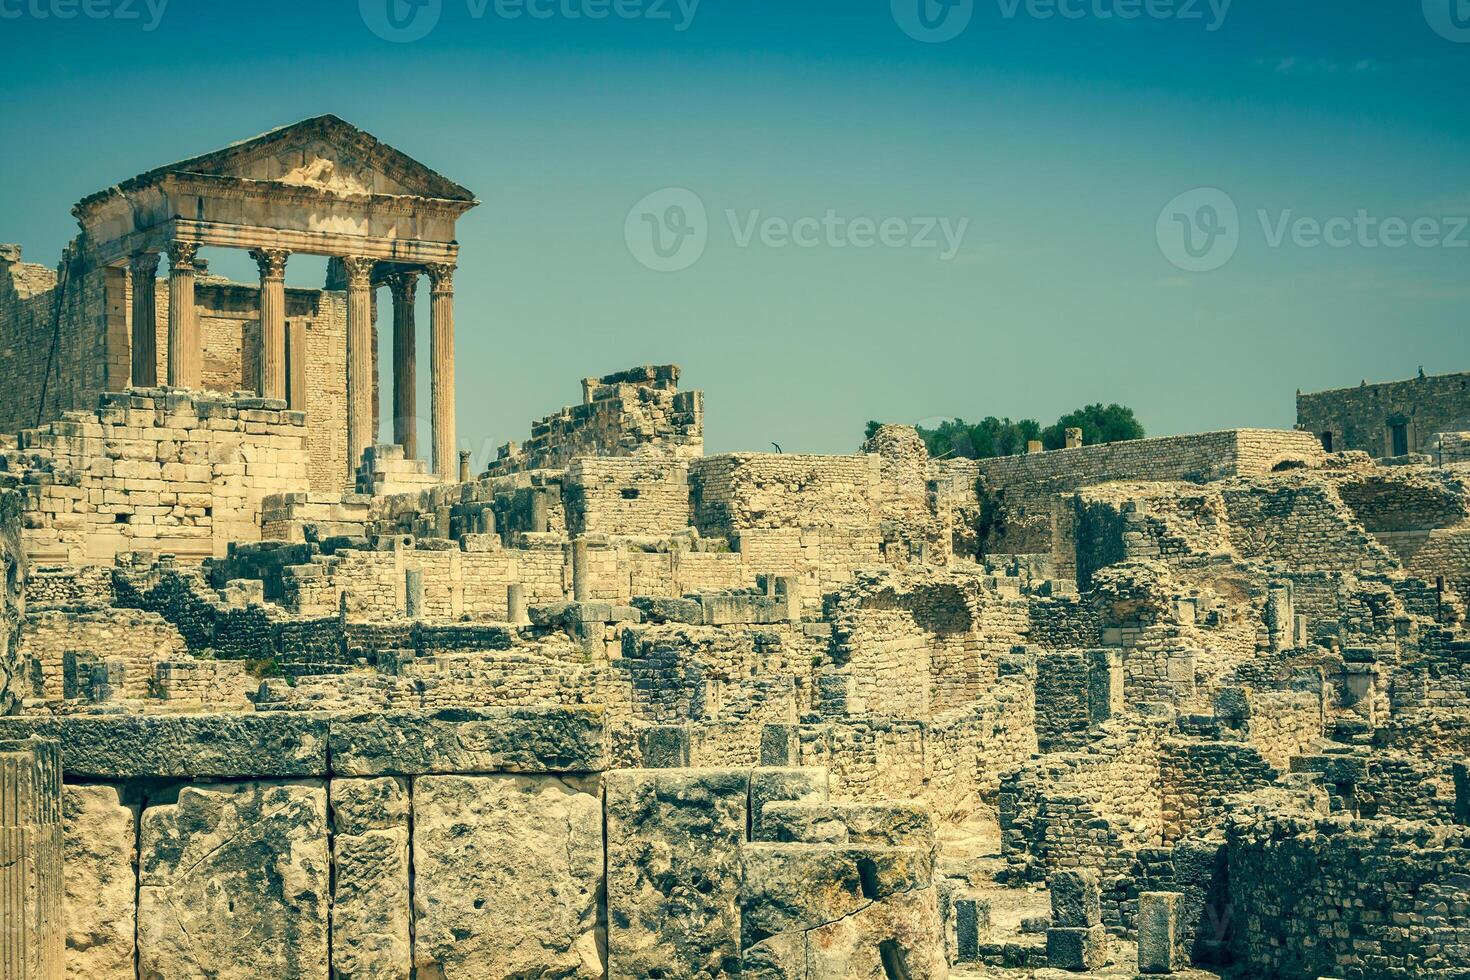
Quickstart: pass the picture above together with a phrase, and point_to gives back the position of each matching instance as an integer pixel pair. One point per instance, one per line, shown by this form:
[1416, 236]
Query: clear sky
[1017, 163]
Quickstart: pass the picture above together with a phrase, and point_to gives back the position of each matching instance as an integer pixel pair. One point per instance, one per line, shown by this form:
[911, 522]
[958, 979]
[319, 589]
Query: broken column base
[1077, 949]
[1158, 932]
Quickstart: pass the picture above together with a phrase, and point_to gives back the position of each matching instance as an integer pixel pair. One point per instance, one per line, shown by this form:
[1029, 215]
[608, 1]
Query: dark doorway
[1399, 433]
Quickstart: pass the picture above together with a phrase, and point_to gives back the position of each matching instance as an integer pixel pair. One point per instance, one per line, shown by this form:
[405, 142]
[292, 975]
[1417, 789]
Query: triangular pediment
[325, 153]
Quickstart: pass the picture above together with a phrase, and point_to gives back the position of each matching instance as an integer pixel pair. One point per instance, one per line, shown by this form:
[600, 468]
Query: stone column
[185, 358]
[359, 272]
[271, 382]
[581, 592]
[404, 287]
[143, 270]
[32, 927]
[441, 368]
[515, 604]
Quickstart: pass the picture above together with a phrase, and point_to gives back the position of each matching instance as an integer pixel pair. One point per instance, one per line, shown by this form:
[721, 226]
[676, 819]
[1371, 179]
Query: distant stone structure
[615, 708]
[1424, 415]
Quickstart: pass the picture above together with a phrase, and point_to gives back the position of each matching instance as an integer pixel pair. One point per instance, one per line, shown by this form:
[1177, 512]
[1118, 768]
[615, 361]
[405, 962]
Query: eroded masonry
[281, 701]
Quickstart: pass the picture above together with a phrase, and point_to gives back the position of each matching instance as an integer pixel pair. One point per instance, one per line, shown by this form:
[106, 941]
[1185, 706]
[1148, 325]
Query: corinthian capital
[144, 265]
[271, 261]
[359, 271]
[403, 286]
[181, 255]
[441, 277]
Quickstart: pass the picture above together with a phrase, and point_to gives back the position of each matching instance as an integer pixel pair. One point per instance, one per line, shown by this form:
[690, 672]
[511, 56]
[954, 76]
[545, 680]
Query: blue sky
[1053, 142]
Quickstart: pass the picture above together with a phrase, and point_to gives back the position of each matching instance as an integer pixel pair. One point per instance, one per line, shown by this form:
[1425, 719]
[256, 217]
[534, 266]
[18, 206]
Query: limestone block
[1076, 899]
[790, 888]
[900, 824]
[673, 871]
[370, 897]
[896, 937]
[783, 785]
[1077, 949]
[469, 740]
[100, 848]
[507, 872]
[234, 883]
[1158, 928]
[273, 744]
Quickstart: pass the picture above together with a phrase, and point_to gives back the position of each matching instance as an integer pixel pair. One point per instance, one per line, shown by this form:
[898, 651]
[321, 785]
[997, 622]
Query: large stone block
[1077, 949]
[1158, 932]
[896, 937]
[783, 785]
[370, 891]
[234, 883]
[274, 744]
[507, 872]
[673, 871]
[100, 848]
[1076, 899]
[469, 740]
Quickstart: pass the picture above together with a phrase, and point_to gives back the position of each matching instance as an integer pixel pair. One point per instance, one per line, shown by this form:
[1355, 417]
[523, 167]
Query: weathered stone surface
[673, 871]
[235, 884]
[506, 877]
[370, 896]
[904, 824]
[100, 851]
[32, 922]
[896, 937]
[1158, 932]
[469, 740]
[798, 887]
[783, 785]
[12, 596]
[1078, 949]
[269, 745]
[1076, 899]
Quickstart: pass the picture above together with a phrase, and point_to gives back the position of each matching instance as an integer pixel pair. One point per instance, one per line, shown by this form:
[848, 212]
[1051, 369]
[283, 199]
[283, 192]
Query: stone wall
[1361, 418]
[154, 470]
[627, 496]
[12, 597]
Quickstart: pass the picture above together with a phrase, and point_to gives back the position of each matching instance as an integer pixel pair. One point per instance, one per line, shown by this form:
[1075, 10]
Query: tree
[958, 439]
[1099, 424]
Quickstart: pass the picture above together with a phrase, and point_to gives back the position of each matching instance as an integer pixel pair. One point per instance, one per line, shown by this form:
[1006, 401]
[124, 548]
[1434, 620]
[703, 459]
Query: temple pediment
[324, 153]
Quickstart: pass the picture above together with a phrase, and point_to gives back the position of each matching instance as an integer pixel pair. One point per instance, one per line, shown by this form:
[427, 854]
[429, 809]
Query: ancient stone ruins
[281, 702]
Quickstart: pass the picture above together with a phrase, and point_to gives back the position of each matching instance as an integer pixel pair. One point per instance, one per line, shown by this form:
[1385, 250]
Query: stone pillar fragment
[32, 937]
[539, 520]
[143, 270]
[1074, 438]
[1462, 794]
[271, 262]
[296, 365]
[1158, 932]
[1077, 940]
[515, 604]
[359, 273]
[464, 466]
[185, 355]
[100, 842]
[788, 587]
[581, 590]
[413, 602]
[404, 287]
[441, 368]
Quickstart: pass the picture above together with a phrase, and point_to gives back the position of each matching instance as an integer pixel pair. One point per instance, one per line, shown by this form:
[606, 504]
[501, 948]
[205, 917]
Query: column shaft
[405, 368]
[185, 358]
[271, 377]
[359, 361]
[143, 270]
[441, 330]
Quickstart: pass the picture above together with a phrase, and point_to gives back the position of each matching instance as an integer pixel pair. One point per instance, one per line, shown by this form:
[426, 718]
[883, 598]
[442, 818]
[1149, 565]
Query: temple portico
[320, 187]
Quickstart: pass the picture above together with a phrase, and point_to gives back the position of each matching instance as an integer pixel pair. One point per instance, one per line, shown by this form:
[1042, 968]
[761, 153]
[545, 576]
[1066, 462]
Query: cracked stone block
[896, 937]
[100, 848]
[1077, 949]
[1076, 899]
[797, 887]
[673, 871]
[234, 883]
[903, 824]
[1158, 932]
[507, 871]
[370, 896]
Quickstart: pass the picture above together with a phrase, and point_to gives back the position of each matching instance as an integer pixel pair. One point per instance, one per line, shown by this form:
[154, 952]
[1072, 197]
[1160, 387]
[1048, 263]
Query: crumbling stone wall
[628, 413]
[12, 597]
[632, 496]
